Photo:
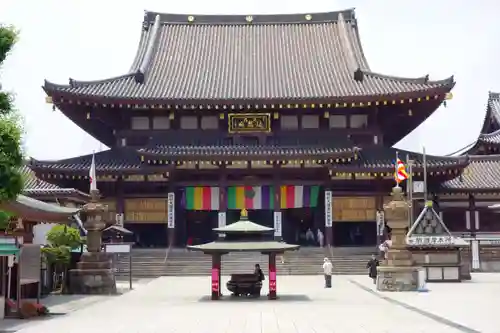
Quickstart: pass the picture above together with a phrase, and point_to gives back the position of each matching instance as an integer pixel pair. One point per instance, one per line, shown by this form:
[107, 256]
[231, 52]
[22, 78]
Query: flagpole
[410, 187]
[425, 174]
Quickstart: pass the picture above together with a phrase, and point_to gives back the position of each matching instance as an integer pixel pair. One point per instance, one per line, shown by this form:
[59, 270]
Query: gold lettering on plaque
[146, 210]
[354, 209]
[249, 122]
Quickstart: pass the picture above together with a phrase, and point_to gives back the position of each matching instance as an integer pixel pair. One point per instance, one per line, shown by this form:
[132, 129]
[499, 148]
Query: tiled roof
[273, 57]
[483, 172]
[117, 159]
[378, 158]
[490, 133]
[490, 138]
[277, 147]
[33, 186]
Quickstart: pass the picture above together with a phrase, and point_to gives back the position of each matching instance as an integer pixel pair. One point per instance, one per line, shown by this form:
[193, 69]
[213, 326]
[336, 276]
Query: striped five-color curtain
[251, 197]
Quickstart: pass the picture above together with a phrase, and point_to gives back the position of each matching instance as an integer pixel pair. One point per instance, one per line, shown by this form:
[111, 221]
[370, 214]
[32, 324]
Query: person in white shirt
[327, 270]
[310, 237]
[320, 237]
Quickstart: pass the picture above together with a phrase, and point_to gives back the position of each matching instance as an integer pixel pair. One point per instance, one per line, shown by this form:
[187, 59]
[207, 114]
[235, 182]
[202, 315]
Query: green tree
[62, 239]
[62, 235]
[11, 155]
[4, 220]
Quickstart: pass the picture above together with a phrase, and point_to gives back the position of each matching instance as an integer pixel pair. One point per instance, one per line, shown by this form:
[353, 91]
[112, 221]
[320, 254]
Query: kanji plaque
[249, 122]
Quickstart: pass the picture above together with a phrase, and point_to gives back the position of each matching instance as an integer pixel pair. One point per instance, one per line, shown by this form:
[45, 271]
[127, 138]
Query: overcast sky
[95, 39]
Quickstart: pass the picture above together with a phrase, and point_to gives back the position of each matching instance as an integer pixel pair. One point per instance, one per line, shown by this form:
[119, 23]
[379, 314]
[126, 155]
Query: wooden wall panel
[150, 210]
[354, 209]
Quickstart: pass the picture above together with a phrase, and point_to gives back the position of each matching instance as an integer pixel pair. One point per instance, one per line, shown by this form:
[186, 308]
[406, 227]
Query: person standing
[321, 238]
[372, 268]
[327, 271]
[310, 237]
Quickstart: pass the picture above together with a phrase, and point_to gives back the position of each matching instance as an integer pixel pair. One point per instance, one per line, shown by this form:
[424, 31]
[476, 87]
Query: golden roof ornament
[244, 213]
[249, 18]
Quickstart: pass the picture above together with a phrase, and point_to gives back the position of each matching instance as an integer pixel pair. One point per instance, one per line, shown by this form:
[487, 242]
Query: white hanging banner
[476, 260]
[222, 219]
[171, 210]
[380, 223]
[328, 209]
[277, 224]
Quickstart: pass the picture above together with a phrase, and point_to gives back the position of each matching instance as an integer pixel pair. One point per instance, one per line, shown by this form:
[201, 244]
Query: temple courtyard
[180, 304]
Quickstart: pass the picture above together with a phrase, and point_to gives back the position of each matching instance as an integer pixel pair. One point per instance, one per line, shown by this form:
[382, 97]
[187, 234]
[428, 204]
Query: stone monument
[94, 274]
[397, 273]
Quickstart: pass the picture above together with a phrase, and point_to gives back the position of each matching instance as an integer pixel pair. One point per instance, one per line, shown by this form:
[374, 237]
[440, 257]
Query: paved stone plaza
[175, 304]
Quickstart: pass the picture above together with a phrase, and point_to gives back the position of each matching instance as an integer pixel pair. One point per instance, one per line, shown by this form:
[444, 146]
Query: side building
[35, 229]
[465, 199]
[278, 114]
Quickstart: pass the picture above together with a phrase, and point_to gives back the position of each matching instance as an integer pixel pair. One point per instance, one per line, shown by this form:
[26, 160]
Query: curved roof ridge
[359, 45]
[132, 72]
[493, 95]
[149, 51]
[489, 135]
[231, 19]
[128, 152]
[480, 158]
[81, 83]
[421, 80]
[350, 58]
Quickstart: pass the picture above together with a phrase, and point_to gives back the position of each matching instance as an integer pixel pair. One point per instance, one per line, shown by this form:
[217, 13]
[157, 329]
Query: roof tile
[483, 172]
[34, 186]
[380, 157]
[108, 160]
[275, 57]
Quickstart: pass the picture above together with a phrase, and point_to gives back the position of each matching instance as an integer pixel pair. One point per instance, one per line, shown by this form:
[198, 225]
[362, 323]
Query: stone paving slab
[175, 304]
[65, 304]
[473, 304]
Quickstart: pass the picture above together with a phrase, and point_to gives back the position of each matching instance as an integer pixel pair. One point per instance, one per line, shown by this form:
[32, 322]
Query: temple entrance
[148, 235]
[354, 234]
[297, 222]
[199, 225]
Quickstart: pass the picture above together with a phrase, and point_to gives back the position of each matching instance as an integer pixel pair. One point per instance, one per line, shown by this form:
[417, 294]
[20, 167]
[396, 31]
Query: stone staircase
[149, 263]
[146, 263]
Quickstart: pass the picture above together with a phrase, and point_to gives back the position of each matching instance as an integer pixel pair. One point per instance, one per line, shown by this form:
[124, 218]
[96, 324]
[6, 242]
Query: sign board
[380, 222]
[249, 122]
[277, 224]
[418, 187]
[117, 248]
[328, 209]
[222, 220]
[430, 240]
[171, 210]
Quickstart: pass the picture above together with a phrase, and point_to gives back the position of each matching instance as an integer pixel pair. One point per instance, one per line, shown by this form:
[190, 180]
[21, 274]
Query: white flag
[92, 175]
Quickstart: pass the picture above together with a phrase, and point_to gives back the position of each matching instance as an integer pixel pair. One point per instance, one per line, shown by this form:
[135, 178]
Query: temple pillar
[93, 274]
[216, 261]
[272, 276]
[328, 217]
[171, 200]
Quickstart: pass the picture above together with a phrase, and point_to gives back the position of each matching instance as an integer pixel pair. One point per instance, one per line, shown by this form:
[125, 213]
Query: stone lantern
[398, 272]
[94, 273]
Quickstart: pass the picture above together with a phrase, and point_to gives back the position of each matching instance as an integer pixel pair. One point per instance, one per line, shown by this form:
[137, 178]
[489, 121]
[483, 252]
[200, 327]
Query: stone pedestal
[397, 273]
[94, 274]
